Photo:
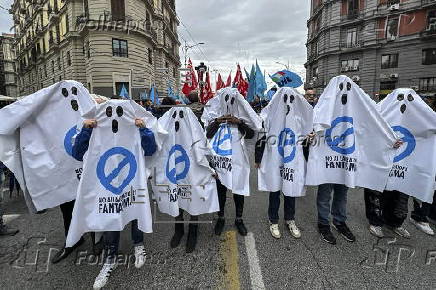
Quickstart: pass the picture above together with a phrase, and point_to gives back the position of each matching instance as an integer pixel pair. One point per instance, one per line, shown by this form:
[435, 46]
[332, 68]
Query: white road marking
[253, 261]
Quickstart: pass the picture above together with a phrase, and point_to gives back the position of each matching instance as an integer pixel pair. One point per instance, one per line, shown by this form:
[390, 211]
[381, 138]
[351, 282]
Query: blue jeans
[274, 205]
[338, 208]
[112, 241]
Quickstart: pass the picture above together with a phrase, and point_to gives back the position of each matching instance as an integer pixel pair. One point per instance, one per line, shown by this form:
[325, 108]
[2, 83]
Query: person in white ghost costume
[287, 122]
[353, 148]
[183, 179]
[414, 166]
[36, 135]
[113, 188]
[230, 124]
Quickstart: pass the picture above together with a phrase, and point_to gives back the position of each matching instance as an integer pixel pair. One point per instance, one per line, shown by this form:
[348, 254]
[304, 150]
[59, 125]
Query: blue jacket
[81, 144]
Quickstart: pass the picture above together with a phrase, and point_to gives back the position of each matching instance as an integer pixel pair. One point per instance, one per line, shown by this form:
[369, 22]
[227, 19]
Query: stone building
[8, 72]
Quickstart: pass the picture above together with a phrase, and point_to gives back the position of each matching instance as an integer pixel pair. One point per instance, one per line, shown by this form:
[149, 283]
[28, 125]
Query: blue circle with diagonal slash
[220, 138]
[407, 138]
[335, 143]
[287, 138]
[68, 140]
[128, 160]
[182, 157]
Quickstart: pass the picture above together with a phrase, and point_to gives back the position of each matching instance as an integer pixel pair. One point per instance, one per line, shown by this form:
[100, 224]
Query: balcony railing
[351, 45]
[352, 14]
[428, 2]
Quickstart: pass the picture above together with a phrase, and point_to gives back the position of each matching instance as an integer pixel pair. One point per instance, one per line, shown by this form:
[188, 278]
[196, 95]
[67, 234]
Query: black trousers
[67, 213]
[222, 196]
[388, 208]
[422, 210]
[179, 218]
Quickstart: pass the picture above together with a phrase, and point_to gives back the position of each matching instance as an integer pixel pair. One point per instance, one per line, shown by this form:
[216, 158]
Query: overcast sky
[237, 31]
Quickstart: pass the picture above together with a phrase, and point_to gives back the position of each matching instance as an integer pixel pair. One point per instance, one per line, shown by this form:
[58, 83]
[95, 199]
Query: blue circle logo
[68, 140]
[336, 144]
[180, 157]
[407, 138]
[286, 139]
[128, 160]
[223, 135]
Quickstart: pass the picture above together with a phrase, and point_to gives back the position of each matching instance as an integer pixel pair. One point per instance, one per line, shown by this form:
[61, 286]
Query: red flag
[191, 80]
[220, 84]
[207, 90]
[229, 80]
[240, 83]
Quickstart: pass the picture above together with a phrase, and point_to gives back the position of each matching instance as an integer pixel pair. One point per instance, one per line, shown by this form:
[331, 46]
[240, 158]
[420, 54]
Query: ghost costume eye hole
[181, 114]
[109, 111]
[74, 105]
[348, 86]
[285, 98]
[120, 111]
[74, 91]
[292, 98]
[114, 126]
[232, 101]
[65, 92]
[410, 98]
[400, 97]
[174, 114]
[341, 86]
[227, 98]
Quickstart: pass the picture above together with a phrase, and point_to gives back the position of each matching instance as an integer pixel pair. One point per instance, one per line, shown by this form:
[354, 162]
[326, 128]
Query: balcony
[351, 45]
[428, 2]
[430, 32]
[352, 15]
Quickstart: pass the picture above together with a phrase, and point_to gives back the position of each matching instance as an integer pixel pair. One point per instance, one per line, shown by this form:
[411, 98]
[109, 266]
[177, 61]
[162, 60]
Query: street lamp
[285, 65]
[187, 47]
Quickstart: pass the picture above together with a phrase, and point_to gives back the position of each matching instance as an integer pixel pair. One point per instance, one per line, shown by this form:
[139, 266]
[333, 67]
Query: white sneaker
[295, 231]
[104, 275]
[424, 227]
[275, 232]
[402, 232]
[139, 256]
[376, 231]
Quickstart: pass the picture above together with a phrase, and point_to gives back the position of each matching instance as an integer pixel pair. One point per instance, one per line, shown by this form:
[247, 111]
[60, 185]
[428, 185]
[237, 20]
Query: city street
[230, 261]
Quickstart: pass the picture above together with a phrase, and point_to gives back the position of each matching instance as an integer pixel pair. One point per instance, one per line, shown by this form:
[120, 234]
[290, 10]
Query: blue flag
[260, 82]
[287, 78]
[124, 93]
[143, 96]
[251, 85]
[154, 97]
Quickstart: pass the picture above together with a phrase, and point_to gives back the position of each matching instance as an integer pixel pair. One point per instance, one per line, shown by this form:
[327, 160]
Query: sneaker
[7, 231]
[242, 230]
[295, 231]
[275, 232]
[376, 231]
[345, 232]
[423, 227]
[433, 221]
[65, 252]
[402, 232]
[104, 275]
[139, 256]
[326, 234]
[219, 226]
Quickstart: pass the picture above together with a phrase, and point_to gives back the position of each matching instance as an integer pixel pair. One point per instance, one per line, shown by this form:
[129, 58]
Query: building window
[350, 65]
[119, 48]
[175, 72]
[352, 37]
[59, 63]
[392, 29]
[118, 10]
[389, 61]
[166, 64]
[431, 26]
[86, 8]
[53, 66]
[68, 58]
[150, 56]
[388, 85]
[119, 86]
[427, 84]
[353, 8]
[315, 72]
[45, 70]
[429, 56]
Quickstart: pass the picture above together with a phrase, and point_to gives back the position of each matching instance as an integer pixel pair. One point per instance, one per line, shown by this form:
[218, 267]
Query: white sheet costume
[36, 139]
[182, 175]
[287, 120]
[113, 188]
[232, 152]
[354, 144]
[414, 121]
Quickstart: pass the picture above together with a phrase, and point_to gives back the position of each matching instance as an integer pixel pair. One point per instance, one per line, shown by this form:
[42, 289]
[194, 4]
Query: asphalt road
[230, 261]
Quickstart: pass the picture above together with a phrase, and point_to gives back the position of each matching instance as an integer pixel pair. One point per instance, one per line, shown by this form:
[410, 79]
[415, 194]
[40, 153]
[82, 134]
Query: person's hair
[167, 101]
[193, 97]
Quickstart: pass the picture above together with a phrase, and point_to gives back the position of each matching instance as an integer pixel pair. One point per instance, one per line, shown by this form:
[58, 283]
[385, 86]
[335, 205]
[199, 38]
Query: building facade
[8, 72]
[381, 44]
[105, 44]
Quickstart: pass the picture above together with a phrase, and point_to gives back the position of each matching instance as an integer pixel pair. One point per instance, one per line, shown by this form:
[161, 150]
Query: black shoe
[219, 226]
[178, 234]
[65, 252]
[345, 232]
[326, 234]
[242, 230]
[6, 231]
[191, 242]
